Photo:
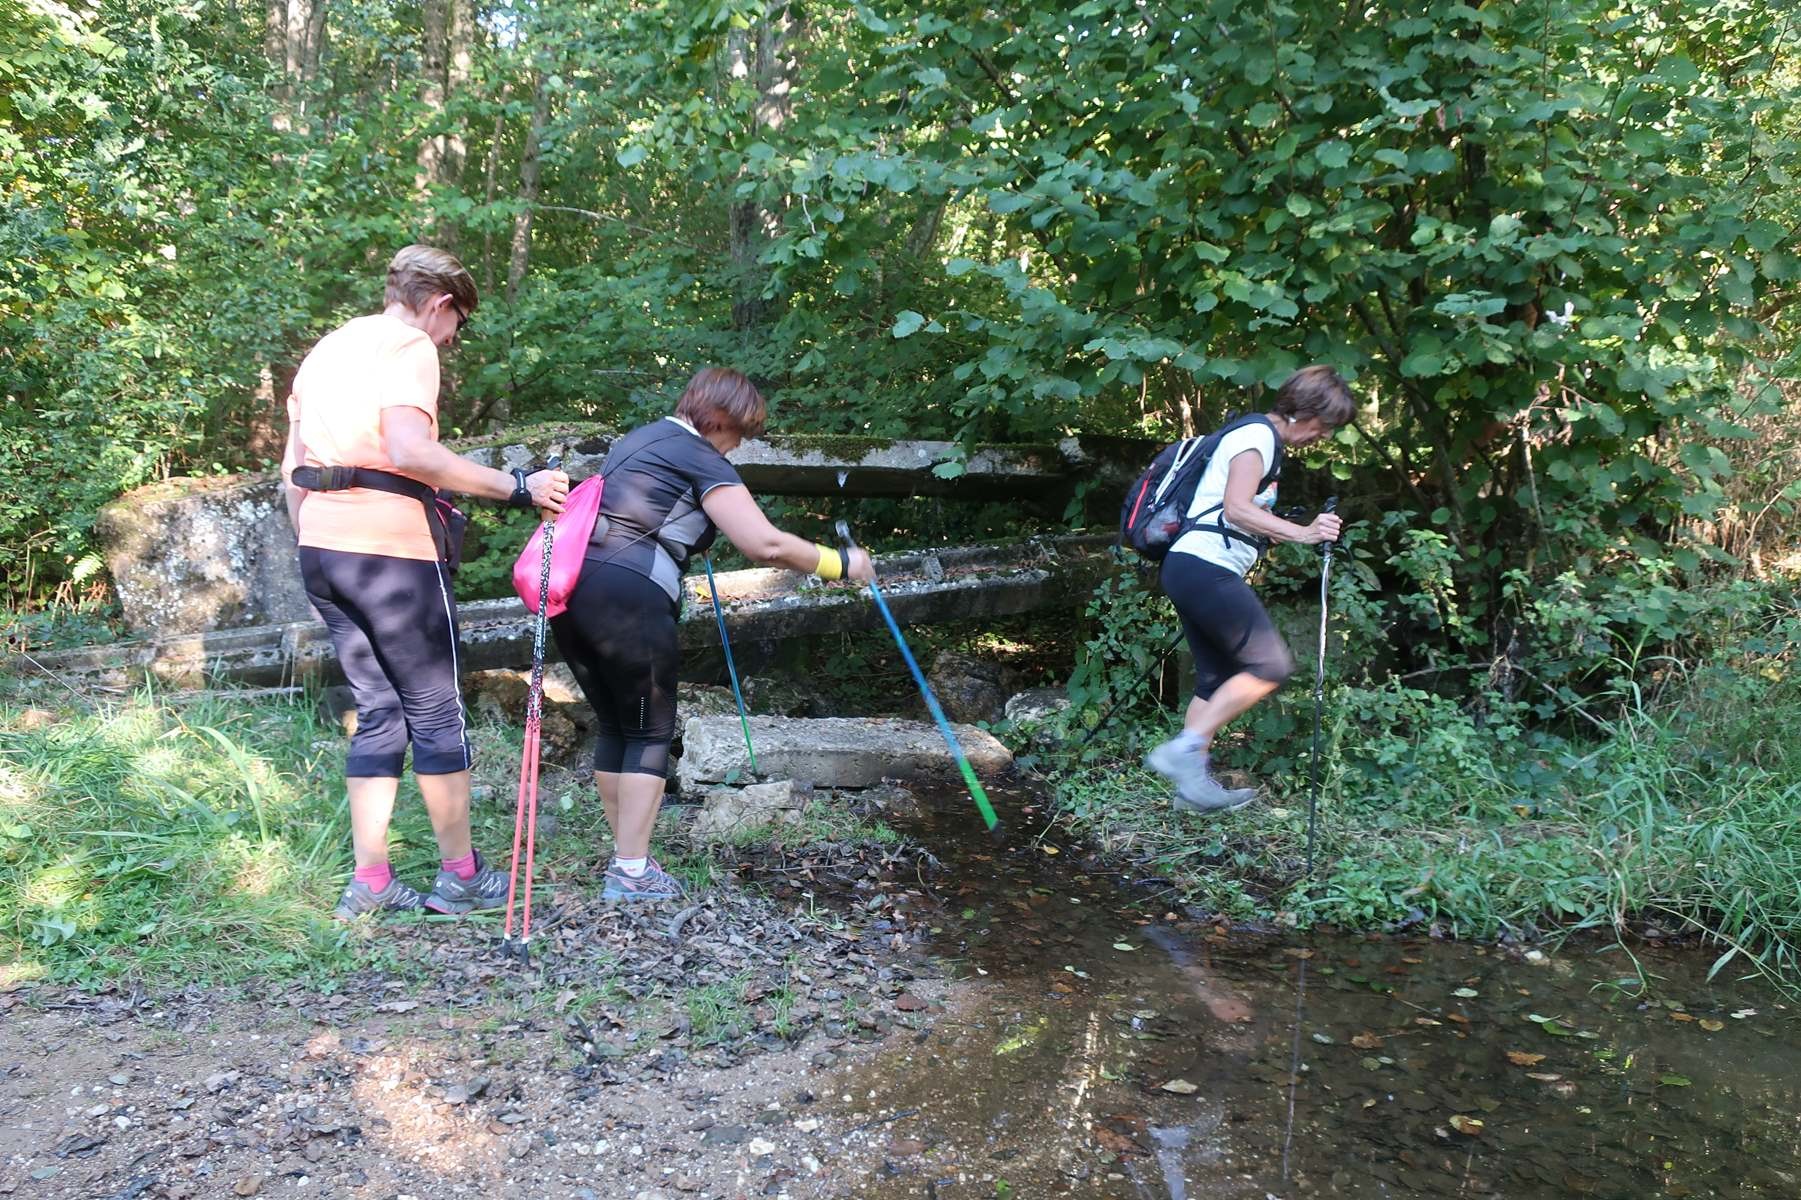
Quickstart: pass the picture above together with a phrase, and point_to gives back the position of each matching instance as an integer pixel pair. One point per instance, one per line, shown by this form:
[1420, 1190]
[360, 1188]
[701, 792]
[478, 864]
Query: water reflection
[1114, 1051]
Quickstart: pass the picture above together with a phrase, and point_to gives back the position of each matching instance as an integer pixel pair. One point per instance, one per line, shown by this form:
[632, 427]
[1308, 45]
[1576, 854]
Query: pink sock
[462, 868]
[378, 876]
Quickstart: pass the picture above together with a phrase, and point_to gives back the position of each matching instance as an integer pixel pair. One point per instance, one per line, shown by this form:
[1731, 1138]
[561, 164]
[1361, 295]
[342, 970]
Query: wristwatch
[522, 495]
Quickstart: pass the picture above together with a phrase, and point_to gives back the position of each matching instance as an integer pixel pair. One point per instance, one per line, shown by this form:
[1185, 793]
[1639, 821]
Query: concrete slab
[832, 752]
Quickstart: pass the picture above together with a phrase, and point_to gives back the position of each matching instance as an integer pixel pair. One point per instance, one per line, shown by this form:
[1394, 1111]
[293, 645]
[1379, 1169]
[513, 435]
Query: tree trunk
[491, 184]
[459, 69]
[434, 49]
[765, 55]
[520, 259]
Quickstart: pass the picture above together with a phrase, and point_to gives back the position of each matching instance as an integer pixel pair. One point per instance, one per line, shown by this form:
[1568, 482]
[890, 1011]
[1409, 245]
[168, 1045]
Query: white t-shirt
[1234, 554]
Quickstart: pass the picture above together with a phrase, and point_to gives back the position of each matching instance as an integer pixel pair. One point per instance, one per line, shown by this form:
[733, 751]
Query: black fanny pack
[444, 519]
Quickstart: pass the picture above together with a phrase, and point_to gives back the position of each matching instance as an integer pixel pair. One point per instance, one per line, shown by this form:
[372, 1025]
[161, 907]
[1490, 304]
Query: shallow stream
[1116, 1049]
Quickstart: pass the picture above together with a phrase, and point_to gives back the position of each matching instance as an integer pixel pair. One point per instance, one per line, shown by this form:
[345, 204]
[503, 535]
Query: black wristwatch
[522, 495]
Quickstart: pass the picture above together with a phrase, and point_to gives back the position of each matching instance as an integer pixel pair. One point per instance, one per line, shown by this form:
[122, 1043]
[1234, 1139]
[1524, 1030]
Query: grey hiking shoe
[1206, 794]
[654, 884]
[359, 899]
[487, 888]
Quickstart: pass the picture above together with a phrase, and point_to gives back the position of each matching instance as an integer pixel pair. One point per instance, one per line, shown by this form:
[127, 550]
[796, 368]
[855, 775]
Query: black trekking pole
[1120, 704]
[1319, 690]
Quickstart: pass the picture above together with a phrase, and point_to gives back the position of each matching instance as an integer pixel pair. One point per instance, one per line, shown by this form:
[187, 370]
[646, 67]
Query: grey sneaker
[1203, 793]
[654, 884]
[359, 899]
[487, 888]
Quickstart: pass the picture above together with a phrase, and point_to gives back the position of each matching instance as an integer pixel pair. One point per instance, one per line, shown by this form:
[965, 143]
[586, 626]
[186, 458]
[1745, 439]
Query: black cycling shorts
[1227, 627]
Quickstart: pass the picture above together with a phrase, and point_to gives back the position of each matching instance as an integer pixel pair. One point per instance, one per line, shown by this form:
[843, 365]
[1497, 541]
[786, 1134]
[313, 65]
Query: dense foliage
[1548, 239]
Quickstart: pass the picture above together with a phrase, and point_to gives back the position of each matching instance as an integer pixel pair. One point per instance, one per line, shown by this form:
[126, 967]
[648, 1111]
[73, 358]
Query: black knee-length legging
[1227, 627]
[618, 636]
[393, 623]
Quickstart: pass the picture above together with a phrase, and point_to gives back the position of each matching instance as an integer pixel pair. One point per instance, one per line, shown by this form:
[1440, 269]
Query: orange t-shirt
[356, 371]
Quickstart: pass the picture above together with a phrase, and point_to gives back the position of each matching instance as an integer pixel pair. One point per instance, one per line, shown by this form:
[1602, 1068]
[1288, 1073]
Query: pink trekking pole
[525, 812]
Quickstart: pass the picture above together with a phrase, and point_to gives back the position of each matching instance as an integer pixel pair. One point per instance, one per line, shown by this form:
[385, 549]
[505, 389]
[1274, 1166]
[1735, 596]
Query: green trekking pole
[925, 690]
[731, 669]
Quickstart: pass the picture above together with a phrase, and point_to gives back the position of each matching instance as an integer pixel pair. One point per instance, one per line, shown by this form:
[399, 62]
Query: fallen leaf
[1324, 1039]
[1674, 1080]
[250, 1185]
[1181, 1087]
[1123, 946]
[1554, 1029]
[1713, 1026]
[1466, 993]
[1521, 1058]
[1468, 1126]
[1543, 1076]
[1426, 1021]
[1681, 1016]
[1457, 1017]
[1742, 1013]
[1050, 850]
[1369, 1102]
[1366, 1041]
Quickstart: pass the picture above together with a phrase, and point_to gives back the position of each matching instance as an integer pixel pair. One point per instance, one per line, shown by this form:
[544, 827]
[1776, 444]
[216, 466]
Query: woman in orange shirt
[362, 440]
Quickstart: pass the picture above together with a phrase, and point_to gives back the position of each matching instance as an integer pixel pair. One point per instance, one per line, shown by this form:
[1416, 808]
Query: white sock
[632, 866]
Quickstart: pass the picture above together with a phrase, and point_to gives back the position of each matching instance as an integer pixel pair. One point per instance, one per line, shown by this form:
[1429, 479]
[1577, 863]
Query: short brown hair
[1316, 391]
[721, 398]
[417, 274]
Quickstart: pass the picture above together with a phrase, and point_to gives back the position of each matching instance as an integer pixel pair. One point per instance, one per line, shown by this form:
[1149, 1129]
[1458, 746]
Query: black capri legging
[393, 623]
[1227, 628]
[618, 636]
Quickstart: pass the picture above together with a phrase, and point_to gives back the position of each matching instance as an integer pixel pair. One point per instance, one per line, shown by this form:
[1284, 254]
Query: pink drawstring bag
[574, 526]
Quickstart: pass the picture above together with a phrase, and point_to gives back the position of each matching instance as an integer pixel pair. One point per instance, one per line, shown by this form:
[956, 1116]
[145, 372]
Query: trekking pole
[1120, 704]
[925, 690]
[525, 812]
[1319, 689]
[731, 668]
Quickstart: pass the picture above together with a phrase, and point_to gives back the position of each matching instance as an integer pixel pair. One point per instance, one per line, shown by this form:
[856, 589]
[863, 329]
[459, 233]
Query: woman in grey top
[669, 492]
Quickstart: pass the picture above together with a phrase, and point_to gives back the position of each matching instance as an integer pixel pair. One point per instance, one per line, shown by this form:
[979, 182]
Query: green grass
[207, 841]
[1672, 801]
[718, 1012]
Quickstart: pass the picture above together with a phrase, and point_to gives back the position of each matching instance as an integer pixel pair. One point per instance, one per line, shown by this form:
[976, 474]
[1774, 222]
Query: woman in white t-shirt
[1239, 658]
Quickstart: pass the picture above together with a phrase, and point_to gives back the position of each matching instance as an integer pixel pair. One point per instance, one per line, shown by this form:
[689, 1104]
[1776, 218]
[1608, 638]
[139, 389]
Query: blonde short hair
[721, 398]
[1316, 391]
[417, 274]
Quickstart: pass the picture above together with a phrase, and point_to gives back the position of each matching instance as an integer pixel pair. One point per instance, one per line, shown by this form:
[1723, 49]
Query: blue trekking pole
[731, 668]
[925, 690]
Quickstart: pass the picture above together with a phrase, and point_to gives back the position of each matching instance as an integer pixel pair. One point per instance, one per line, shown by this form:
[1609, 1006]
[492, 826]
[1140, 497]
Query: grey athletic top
[651, 520]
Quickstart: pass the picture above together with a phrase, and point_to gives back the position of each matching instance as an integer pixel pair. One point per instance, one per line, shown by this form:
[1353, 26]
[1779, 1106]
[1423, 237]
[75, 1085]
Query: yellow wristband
[831, 563]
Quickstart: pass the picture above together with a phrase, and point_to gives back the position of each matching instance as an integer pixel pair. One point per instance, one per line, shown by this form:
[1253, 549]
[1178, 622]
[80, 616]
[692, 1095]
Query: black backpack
[1155, 512]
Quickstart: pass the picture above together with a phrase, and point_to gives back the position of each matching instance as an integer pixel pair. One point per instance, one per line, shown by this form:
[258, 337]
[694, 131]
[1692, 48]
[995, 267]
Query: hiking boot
[1205, 794]
[359, 899]
[487, 888]
[654, 884]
